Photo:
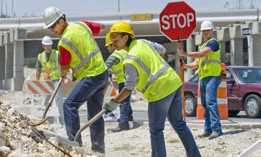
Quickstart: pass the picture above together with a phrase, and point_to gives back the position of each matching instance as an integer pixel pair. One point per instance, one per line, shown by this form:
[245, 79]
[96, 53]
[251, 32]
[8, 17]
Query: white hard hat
[51, 15]
[206, 25]
[47, 40]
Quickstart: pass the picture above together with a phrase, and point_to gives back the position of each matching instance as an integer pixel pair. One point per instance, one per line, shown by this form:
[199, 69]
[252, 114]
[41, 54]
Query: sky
[19, 8]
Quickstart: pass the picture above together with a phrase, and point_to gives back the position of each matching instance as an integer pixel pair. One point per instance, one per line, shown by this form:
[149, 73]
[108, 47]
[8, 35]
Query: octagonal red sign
[177, 20]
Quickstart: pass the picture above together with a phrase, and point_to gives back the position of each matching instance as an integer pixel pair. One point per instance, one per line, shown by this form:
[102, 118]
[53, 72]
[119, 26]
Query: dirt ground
[14, 131]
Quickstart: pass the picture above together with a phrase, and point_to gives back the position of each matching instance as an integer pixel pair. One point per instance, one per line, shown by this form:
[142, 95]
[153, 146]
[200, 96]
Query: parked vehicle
[243, 91]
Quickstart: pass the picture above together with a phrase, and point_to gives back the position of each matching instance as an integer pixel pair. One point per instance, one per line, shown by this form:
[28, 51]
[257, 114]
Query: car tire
[232, 113]
[190, 105]
[252, 106]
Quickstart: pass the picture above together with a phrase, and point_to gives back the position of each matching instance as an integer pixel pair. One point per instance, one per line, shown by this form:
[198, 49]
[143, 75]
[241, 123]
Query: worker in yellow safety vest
[146, 70]
[114, 61]
[80, 52]
[207, 60]
[48, 69]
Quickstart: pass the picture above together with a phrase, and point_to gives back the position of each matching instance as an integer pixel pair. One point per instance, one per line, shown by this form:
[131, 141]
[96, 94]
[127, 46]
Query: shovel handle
[52, 98]
[90, 122]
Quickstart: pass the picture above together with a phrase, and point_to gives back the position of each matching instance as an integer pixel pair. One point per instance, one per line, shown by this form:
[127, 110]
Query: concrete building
[20, 39]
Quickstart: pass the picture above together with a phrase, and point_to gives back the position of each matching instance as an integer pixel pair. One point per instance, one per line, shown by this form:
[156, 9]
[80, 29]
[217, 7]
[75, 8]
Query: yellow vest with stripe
[209, 65]
[118, 68]
[52, 63]
[86, 57]
[156, 78]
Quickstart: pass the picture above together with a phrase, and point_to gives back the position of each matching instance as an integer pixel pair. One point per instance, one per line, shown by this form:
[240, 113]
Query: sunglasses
[54, 25]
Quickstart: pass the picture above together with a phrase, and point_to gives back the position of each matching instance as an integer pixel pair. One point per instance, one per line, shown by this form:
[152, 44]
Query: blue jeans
[208, 90]
[169, 107]
[125, 110]
[90, 89]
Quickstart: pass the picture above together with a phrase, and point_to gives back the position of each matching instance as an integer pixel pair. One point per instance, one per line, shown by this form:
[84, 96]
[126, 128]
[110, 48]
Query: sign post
[177, 22]
[247, 32]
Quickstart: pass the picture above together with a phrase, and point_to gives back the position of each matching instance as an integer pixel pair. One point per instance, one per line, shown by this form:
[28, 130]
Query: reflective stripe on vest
[152, 78]
[77, 52]
[119, 71]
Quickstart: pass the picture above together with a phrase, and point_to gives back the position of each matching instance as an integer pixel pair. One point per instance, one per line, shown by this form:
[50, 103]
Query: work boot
[118, 129]
[204, 134]
[96, 147]
[214, 135]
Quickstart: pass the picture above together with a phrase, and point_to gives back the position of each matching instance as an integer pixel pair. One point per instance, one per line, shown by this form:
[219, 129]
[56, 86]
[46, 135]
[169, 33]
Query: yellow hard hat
[122, 27]
[108, 40]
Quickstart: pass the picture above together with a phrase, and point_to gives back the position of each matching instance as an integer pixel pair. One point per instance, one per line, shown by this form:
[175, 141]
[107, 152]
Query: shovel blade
[63, 140]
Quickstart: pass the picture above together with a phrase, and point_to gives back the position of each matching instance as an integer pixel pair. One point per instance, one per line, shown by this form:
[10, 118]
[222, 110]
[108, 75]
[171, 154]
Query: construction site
[30, 126]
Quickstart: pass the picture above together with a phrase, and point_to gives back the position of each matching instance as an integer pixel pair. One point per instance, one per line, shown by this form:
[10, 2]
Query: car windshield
[248, 75]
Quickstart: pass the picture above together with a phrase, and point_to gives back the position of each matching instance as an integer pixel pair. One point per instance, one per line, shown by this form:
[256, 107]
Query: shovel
[49, 104]
[63, 140]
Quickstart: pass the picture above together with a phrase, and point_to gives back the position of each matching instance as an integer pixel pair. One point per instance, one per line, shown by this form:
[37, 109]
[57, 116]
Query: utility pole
[1, 8]
[119, 6]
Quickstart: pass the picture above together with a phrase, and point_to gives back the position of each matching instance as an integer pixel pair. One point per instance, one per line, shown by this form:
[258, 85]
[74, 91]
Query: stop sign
[177, 20]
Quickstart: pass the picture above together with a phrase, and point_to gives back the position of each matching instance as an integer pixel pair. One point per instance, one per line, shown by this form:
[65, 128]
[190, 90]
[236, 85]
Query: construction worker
[207, 60]
[146, 70]
[115, 61]
[48, 68]
[80, 52]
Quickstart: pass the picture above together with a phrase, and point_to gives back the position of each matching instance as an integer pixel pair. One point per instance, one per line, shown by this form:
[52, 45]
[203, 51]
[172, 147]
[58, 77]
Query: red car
[243, 91]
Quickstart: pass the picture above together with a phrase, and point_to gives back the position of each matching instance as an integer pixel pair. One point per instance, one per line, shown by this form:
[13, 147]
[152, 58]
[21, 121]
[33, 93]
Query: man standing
[208, 62]
[80, 52]
[48, 68]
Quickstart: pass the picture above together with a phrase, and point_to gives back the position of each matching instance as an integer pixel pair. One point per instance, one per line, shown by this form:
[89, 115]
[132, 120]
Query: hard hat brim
[50, 24]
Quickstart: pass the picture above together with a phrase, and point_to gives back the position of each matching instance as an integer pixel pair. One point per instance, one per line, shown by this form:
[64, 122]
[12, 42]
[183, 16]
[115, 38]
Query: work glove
[110, 106]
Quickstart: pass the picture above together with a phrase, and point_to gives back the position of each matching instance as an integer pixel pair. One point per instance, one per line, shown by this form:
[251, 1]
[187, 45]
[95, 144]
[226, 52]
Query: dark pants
[125, 111]
[90, 89]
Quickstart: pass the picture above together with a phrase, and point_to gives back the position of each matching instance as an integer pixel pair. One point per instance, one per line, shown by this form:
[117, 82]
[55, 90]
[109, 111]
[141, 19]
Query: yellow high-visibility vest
[209, 65]
[87, 60]
[156, 78]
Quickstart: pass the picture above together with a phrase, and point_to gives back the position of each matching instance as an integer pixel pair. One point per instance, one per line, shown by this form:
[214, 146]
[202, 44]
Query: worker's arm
[131, 78]
[159, 48]
[64, 70]
[192, 65]
[38, 73]
[111, 60]
[38, 67]
[198, 54]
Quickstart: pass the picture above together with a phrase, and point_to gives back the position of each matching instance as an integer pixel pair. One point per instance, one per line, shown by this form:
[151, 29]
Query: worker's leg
[94, 105]
[157, 113]
[203, 86]
[59, 102]
[85, 89]
[124, 111]
[212, 103]
[176, 120]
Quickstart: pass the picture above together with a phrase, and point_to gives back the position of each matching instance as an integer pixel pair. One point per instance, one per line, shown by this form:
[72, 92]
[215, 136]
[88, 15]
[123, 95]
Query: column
[18, 66]
[256, 49]
[2, 66]
[236, 45]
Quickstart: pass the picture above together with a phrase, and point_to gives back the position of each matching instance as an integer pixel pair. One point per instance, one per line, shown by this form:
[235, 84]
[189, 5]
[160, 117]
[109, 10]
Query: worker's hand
[223, 75]
[182, 63]
[181, 52]
[110, 106]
